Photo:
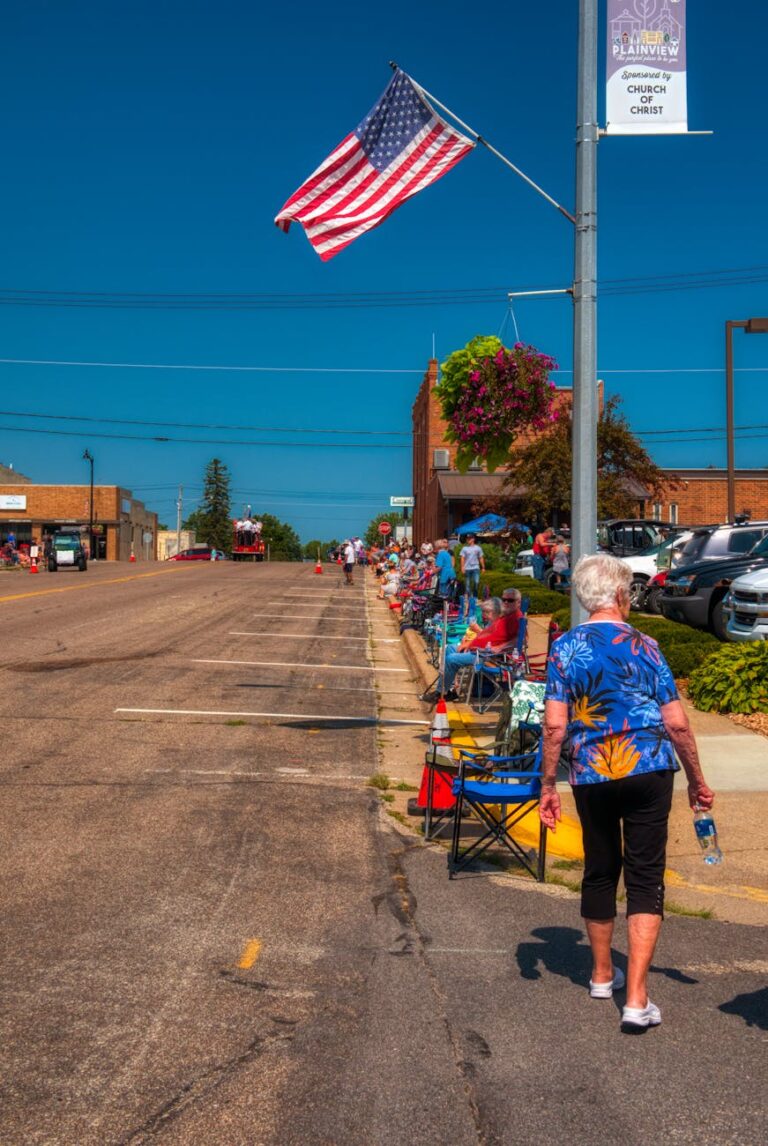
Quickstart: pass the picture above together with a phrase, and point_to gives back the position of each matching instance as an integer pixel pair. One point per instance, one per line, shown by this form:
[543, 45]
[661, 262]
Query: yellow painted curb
[566, 842]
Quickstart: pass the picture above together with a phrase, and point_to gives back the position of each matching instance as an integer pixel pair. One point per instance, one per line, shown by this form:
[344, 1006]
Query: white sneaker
[634, 1020]
[605, 990]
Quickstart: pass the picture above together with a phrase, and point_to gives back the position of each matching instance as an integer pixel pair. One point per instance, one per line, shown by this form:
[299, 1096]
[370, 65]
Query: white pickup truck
[746, 607]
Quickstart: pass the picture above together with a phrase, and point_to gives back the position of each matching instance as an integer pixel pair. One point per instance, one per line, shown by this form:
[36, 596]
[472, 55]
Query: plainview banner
[646, 68]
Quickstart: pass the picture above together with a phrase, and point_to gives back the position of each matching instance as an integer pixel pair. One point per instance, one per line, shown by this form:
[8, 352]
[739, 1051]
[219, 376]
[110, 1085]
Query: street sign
[405, 502]
[384, 528]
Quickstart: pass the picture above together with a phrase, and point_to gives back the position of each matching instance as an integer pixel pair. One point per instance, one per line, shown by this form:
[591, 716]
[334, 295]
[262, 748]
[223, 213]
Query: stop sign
[384, 528]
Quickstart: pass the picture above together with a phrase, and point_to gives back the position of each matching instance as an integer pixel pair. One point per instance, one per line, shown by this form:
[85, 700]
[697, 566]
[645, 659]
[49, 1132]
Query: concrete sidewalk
[735, 762]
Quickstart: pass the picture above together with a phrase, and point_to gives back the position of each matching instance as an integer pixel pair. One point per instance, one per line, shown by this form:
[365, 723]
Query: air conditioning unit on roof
[441, 459]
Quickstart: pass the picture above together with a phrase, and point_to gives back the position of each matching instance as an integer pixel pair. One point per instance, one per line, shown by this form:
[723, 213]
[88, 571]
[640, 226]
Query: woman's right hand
[699, 794]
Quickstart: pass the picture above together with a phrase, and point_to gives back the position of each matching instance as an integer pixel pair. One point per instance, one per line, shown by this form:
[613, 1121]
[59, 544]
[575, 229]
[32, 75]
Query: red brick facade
[119, 519]
[701, 497]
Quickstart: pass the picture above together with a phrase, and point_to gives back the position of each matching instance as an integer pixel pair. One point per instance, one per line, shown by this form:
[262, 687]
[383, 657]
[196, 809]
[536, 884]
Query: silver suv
[746, 607]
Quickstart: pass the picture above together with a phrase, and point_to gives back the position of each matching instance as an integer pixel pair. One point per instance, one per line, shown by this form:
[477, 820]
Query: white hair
[597, 579]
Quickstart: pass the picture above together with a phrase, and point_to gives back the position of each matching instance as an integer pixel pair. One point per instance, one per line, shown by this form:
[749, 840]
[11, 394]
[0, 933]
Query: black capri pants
[639, 804]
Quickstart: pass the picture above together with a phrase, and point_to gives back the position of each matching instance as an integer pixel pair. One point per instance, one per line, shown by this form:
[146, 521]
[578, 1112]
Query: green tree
[214, 512]
[311, 548]
[283, 540]
[372, 535]
[538, 479]
[193, 522]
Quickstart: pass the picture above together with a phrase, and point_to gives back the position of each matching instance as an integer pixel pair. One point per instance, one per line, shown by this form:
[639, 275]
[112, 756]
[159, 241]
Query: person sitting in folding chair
[502, 624]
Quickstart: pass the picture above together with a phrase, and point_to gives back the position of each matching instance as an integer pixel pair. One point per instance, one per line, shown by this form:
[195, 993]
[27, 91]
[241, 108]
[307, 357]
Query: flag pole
[584, 479]
[479, 138]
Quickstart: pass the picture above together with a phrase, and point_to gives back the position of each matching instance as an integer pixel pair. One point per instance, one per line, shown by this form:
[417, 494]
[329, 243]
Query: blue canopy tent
[489, 523]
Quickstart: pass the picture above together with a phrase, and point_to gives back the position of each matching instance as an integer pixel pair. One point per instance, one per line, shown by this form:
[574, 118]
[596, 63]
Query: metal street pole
[87, 456]
[751, 326]
[730, 463]
[584, 498]
[178, 519]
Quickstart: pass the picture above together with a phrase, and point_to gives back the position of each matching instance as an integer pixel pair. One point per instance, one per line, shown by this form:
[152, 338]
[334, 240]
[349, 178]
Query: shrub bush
[683, 647]
[734, 679]
[541, 600]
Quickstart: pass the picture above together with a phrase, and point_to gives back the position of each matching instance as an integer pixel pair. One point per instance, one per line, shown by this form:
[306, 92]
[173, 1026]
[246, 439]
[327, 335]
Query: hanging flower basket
[489, 395]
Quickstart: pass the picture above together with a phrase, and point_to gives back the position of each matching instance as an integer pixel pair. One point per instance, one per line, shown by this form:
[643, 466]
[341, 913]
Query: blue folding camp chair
[499, 799]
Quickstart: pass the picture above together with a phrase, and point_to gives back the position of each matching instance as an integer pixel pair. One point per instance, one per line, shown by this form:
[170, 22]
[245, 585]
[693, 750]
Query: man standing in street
[349, 562]
[472, 565]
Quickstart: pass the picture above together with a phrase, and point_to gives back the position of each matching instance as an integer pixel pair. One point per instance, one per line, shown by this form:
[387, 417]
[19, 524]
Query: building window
[673, 513]
[657, 507]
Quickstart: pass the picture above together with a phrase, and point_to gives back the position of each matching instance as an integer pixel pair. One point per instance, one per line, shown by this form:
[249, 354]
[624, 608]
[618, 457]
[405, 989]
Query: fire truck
[247, 545]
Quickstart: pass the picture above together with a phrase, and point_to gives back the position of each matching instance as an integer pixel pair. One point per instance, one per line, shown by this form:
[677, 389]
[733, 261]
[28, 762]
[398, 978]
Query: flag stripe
[335, 166]
[400, 185]
[383, 181]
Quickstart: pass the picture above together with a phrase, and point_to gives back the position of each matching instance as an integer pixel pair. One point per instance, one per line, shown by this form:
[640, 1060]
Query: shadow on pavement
[565, 951]
[751, 1007]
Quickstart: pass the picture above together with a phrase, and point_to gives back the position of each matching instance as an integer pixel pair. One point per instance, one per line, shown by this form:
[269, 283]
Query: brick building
[444, 498]
[700, 497]
[122, 524]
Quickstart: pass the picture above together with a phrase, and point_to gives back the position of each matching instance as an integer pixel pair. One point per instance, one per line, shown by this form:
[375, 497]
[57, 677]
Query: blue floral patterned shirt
[614, 681]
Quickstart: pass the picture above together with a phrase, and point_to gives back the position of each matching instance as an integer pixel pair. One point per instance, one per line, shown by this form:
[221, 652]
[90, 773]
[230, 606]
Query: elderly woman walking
[611, 692]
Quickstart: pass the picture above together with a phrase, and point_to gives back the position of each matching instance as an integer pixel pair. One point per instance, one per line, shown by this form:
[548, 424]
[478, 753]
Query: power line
[200, 425]
[330, 370]
[184, 366]
[212, 441]
[270, 300]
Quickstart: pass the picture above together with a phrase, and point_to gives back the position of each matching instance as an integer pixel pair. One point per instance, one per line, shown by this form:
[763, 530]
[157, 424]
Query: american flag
[400, 147]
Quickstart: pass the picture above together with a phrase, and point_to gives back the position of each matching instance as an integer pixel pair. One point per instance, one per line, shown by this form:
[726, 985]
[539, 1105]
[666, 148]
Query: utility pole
[88, 457]
[179, 503]
[584, 504]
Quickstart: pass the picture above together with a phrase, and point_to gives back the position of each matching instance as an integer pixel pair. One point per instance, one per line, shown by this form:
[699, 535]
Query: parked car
[197, 553]
[627, 536]
[746, 607]
[719, 542]
[651, 599]
[694, 593]
[67, 552]
[646, 567]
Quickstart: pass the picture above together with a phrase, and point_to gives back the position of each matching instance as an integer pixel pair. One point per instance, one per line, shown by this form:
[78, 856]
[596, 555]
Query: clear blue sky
[147, 148]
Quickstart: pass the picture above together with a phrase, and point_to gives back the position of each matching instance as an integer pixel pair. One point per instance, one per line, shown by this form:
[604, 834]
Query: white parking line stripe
[316, 637]
[292, 665]
[347, 609]
[302, 617]
[280, 715]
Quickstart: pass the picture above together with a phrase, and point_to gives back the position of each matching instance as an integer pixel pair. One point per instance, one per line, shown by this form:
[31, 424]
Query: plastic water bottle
[706, 834]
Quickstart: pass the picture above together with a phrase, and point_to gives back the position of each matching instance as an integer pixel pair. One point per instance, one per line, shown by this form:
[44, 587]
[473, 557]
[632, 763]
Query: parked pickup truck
[694, 593]
[746, 607]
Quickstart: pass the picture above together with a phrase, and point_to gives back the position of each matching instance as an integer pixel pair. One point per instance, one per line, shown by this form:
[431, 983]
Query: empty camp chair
[499, 800]
[523, 704]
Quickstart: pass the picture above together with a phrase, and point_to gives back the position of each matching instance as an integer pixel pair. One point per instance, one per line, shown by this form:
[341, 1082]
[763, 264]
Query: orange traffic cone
[339, 561]
[33, 565]
[319, 566]
[440, 738]
[132, 558]
[440, 732]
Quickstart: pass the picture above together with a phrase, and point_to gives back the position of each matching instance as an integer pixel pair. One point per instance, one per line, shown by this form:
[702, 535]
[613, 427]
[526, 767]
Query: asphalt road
[213, 934]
